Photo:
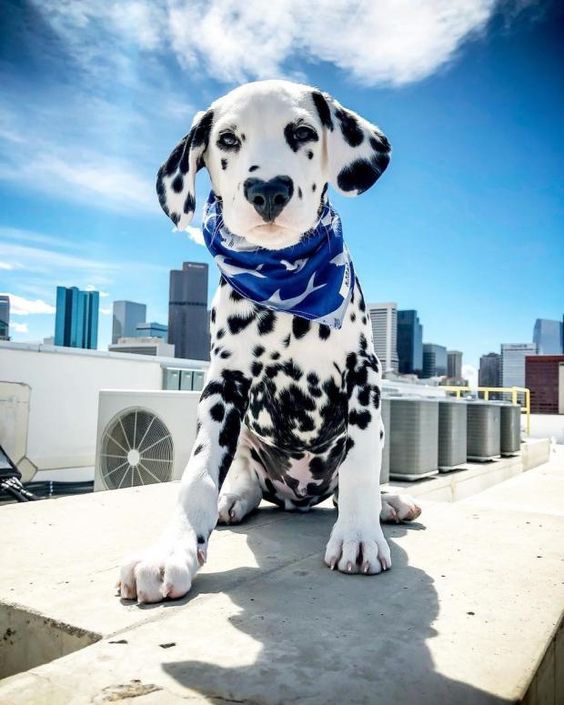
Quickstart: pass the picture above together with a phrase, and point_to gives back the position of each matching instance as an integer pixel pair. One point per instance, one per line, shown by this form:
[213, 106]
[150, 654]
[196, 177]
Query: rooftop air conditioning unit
[413, 437]
[143, 436]
[452, 434]
[385, 471]
[483, 431]
[510, 428]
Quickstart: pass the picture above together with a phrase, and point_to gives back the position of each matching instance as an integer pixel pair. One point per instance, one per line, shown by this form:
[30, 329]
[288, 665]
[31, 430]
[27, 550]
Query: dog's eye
[303, 133]
[228, 139]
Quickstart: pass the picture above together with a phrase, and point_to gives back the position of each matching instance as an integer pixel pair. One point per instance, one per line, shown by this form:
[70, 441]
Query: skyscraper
[4, 317]
[383, 318]
[76, 319]
[490, 370]
[547, 335]
[454, 364]
[127, 314]
[410, 343]
[434, 360]
[513, 363]
[188, 328]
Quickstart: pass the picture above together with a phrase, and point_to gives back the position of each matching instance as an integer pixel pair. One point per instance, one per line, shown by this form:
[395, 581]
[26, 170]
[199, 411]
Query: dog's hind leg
[398, 507]
[241, 491]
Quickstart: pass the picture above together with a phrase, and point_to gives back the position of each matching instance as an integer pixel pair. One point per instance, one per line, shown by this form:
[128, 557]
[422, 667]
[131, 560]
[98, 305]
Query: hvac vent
[483, 431]
[452, 434]
[137, 449]
[143, 437]
[510, 428]
[413, 437]
[385, 471]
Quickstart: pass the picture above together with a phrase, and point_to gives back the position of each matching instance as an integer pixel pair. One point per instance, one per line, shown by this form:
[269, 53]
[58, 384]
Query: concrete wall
[64, 395]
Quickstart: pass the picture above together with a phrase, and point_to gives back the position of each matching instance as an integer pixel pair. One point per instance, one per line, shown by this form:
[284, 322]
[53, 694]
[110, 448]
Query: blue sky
[466, 225]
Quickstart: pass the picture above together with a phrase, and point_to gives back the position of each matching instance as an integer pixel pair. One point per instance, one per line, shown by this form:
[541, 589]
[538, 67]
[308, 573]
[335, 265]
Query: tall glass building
[454, 364]
[4, 317]
[434, 360]
[410, 343]
[547, 335]
[76, 319]
[127, 316]
[513, 363]
[383, 318]
[188, 326]
[490, 370]
[151, 330]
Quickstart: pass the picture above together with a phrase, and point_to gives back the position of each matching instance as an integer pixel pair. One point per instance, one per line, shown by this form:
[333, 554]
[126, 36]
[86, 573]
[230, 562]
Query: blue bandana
[312, 279]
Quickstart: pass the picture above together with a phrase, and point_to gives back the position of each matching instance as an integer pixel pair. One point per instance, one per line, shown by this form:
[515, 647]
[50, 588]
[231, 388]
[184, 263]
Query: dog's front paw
[358, 547]
[163, 571]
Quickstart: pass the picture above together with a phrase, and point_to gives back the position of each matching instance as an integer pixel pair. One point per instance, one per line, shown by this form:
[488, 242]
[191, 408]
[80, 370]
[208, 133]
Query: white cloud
[8, 266]
[18, 327]
[106, 311]
[25, 307]
[470, 373]
[91, 287]
[385, 42]
[195, 234]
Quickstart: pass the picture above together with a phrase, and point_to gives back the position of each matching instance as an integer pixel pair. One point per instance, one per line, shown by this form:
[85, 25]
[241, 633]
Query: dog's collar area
[312, 279]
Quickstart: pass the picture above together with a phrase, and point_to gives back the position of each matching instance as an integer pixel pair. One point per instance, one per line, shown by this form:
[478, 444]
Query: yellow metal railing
[486, 391]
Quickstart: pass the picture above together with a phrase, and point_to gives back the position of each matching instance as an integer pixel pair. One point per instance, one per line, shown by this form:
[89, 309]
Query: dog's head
[271, 148]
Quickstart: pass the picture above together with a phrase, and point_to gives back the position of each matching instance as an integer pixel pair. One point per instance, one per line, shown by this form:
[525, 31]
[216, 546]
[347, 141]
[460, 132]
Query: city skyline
[463, 219]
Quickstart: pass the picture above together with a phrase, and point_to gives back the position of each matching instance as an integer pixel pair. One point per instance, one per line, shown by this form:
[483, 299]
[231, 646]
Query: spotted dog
[290, 411]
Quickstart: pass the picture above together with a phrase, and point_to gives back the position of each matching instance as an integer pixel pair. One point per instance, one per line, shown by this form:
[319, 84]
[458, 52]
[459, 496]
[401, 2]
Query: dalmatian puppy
[290, 411]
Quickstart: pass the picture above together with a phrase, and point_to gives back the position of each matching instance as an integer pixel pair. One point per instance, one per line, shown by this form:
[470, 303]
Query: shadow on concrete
[325, 637]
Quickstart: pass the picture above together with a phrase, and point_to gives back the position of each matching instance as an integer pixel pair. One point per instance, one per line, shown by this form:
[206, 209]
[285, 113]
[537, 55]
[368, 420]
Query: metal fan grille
[137, 449]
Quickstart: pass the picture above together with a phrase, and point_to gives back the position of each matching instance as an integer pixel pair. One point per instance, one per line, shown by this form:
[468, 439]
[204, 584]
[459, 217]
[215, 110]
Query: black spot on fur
[258, 350]
[309, 154]
[275, 355]
[212, 315]
[379, 143]
[286, 340]
[256, 368]
[353, 316]
[381, 434]
[359, 175]
[364, 396]
[189, 203]
[202, 131]
[217, 412]
[200, 539]
[198, 449]
[300, 195]
[225, 354]
[235, 295]
[254, 167]
[324, 331]
[292, 370]
[360, 418]
[313, 379]
[177, 183]
[238, 323]
[313, 187]
[322, 109]
[300, 326]
[350, 129]
[224, 164]
[175, 217]
[266, 322]
[220, 333]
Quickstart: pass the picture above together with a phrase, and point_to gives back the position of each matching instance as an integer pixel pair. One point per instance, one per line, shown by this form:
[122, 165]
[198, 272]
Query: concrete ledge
[470, 612]
[475, 477]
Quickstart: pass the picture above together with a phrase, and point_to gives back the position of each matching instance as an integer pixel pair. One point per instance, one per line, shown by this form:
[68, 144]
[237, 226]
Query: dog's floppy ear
[357, 151]
[176, 179]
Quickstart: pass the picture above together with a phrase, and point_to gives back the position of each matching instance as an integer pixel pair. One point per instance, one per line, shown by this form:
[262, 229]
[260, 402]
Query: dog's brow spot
[254, 167]
[310, 154]
[299, 192]
[224, 164]
[313, 187]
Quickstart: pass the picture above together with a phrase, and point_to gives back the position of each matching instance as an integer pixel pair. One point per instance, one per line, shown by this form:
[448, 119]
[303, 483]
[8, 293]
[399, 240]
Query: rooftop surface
[469, 612]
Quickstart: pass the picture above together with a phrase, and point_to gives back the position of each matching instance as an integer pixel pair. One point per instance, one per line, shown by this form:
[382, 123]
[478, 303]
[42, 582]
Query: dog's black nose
[269, 197]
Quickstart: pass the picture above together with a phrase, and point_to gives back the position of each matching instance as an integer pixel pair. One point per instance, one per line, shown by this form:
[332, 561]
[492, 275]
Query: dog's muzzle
[269, 197]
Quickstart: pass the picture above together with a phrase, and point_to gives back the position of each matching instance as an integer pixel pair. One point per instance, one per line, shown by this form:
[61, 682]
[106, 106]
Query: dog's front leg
[357, 543]
[167, 568]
